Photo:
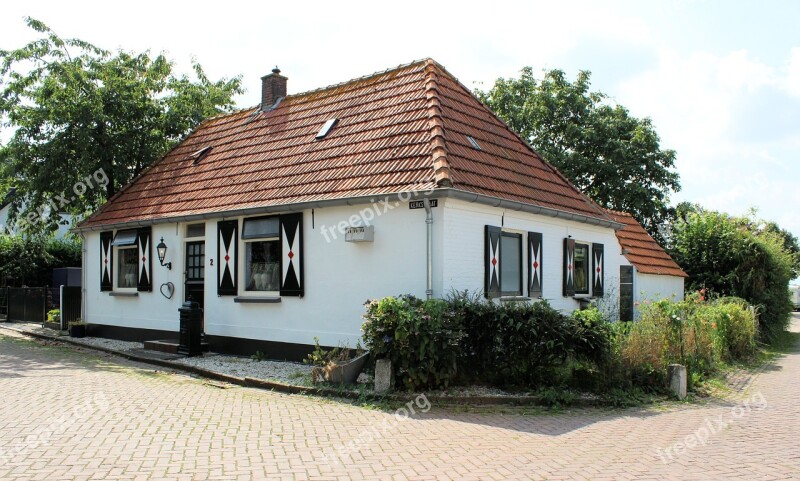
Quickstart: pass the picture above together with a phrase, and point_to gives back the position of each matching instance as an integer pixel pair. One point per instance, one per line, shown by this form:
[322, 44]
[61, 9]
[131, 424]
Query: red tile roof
[641, 250]
[398, 131]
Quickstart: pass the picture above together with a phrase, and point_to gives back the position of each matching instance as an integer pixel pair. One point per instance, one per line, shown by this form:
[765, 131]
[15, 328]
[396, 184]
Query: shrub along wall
[436, 343]
[30, 260]
[734, 257]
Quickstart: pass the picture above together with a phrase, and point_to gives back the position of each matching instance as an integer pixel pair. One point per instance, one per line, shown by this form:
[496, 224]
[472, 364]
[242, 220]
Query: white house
[647, 272]
[8, 228]
[281, 220]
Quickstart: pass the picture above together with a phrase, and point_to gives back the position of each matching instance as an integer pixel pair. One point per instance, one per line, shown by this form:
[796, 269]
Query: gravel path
[285, 372]
[107, 343]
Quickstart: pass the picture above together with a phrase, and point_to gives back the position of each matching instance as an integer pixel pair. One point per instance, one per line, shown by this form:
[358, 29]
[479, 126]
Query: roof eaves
[269, 209]
[530, 208]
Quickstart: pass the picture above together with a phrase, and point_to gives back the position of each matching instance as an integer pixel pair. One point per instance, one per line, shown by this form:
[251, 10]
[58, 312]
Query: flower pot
[346, 373]
[77, 331]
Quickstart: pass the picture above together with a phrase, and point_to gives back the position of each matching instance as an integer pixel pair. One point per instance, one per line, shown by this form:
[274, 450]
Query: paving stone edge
[327, 392]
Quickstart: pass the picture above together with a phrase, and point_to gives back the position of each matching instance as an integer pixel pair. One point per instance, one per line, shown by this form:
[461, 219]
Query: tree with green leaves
[613, 157]
[737, 256]
[86, 120]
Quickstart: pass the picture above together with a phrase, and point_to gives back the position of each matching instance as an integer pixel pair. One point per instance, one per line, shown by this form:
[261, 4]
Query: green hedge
[465, 339]
[431, 343]
[30, 260]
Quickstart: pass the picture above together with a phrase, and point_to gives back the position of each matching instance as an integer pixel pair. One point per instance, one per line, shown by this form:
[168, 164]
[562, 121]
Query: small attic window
[200, 154]
[474, 143]
[325, 130]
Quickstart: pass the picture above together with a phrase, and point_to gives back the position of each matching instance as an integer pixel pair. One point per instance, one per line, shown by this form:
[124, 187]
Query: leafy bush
[738, 257]
[430, 341]
[593, 335]
[556, 397]
[54, 315]
[525, 343]
[31, 260]
[532, 344]
[694, 332]
[422, 339]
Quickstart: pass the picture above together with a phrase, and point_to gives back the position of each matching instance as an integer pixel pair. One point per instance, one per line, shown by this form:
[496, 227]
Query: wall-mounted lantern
[162, 253]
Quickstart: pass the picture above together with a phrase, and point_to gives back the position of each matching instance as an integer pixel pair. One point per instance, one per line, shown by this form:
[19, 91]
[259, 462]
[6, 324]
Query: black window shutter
[227, 257]
[292, 255]
[534, 264]
[106, 261]
[598, 270]
[491, 286]
[569, 268]
[144, 241]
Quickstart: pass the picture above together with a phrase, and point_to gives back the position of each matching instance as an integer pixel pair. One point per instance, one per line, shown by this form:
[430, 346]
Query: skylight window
[200, 154]
[474, 143]
[325, 130]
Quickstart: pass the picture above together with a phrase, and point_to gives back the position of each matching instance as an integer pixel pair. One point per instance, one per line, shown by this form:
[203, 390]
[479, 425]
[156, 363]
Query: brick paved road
[74, 416]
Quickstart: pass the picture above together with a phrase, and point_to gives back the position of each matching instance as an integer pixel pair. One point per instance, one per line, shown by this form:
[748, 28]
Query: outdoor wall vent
[325, 130]
[200, 154]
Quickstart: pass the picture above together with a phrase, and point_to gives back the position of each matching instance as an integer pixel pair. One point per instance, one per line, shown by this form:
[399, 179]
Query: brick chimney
[273, 87]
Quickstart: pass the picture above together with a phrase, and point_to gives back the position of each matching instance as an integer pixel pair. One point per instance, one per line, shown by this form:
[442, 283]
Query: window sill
[257, 300]
[514, 298]
[123, 294]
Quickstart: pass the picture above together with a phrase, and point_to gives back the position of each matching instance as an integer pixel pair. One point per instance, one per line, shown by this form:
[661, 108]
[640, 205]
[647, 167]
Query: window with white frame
[262, 254]
[511, 264]
[502, 263]
[581, 268]
[127, 259]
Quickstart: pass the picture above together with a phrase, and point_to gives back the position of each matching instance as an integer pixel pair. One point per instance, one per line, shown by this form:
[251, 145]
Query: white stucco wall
[464, 256]
[650, 287]
[339, 276]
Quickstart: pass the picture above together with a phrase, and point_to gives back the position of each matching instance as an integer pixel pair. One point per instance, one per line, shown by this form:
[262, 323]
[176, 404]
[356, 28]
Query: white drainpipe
[83, 276]
[429, 224]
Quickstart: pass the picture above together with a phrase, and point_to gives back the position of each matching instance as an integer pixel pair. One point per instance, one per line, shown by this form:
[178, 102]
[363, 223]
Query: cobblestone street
[68, 415]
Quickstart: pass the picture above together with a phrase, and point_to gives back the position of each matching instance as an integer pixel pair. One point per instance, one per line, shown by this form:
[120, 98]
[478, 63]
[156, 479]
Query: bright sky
[720, 79]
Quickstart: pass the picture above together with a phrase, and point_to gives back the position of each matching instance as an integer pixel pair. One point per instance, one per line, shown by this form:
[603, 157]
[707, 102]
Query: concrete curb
[327, 392]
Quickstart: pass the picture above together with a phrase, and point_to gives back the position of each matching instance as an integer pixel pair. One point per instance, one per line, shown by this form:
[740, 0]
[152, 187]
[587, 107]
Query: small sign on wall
[420, 204]
[360, 234]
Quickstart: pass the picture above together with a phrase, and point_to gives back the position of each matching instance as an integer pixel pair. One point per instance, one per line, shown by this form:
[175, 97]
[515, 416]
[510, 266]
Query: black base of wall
[130, 334]
[219, 344]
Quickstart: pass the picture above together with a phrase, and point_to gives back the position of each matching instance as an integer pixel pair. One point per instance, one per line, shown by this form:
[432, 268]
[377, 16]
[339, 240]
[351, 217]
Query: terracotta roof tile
[399, 130]
[641, 250]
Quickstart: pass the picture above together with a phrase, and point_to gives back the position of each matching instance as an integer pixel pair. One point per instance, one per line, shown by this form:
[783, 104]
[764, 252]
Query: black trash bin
[191, 329]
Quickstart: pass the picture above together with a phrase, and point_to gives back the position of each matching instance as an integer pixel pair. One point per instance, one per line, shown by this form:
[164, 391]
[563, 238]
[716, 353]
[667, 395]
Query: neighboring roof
[641, 250]
[398, 131]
